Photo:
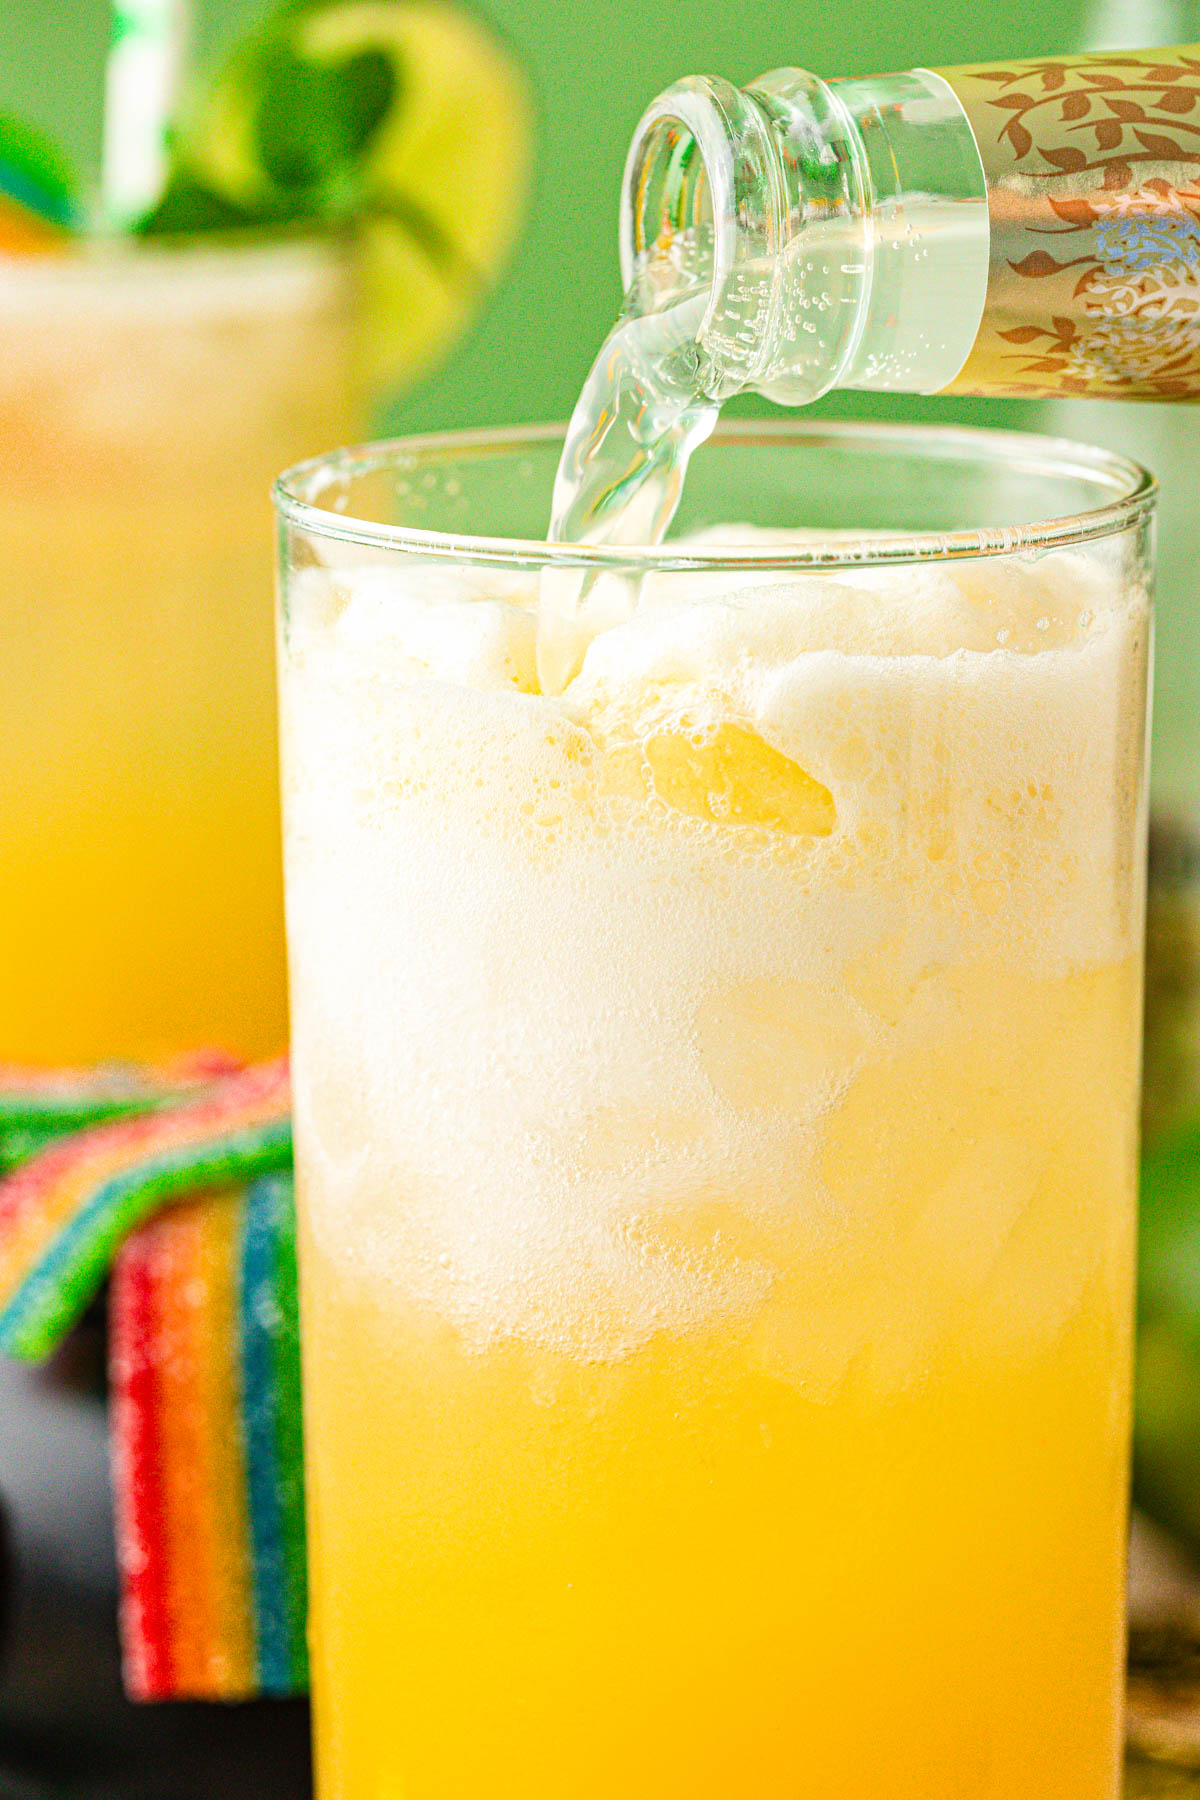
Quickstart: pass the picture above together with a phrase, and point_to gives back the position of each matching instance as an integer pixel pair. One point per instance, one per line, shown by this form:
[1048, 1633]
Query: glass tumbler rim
[1126, 491]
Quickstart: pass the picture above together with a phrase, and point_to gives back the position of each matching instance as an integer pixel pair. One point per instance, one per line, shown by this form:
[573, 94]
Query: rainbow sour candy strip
[270, 1346]
[203, 1341]
[64, 1213]
[204, 1364]
[38, 1105]
[178, 1457]
[136, 1449]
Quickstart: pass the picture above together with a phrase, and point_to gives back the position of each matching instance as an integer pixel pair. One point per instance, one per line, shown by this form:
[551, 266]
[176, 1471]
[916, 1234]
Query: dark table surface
[66, 1730]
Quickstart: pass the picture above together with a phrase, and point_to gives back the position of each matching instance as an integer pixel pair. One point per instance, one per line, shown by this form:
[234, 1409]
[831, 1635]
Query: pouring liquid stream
[654, 394]
[878, 233]
[645, 406]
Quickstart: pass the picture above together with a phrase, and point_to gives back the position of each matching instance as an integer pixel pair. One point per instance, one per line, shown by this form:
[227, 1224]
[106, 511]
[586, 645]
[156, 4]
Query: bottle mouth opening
[679, 197]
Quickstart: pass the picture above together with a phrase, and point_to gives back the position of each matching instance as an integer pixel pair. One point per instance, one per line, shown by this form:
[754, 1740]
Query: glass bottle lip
[705, 109]
[1132, 489]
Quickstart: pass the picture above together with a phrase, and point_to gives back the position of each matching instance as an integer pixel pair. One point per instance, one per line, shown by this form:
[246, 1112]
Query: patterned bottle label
[1093, 174]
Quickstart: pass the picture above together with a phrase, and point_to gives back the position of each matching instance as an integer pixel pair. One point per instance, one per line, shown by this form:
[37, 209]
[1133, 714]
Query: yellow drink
[715, 1109]
[146, 401]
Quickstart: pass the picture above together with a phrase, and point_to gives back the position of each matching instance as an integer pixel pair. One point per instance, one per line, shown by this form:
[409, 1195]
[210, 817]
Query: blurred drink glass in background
[307, 223]
[147, 398]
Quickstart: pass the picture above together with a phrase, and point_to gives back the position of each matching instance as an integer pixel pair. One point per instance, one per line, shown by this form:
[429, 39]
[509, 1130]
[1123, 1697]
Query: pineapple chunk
[731, 776]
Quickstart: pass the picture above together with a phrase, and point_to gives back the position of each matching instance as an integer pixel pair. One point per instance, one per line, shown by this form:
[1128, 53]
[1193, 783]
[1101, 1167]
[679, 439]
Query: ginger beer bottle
[1020, 228]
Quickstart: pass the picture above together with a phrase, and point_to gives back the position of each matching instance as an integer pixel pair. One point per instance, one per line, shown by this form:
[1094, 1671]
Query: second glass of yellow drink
[147, 398]
[716, 1120]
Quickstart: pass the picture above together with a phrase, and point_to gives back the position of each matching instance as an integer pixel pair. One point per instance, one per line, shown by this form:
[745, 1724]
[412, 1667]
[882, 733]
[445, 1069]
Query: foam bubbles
[579, 984]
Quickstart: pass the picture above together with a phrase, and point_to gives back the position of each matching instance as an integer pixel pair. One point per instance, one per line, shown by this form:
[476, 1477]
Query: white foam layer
[550, 1011]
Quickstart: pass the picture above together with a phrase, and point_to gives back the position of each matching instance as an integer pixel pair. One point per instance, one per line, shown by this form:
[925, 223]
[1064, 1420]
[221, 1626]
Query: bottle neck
[833, 234]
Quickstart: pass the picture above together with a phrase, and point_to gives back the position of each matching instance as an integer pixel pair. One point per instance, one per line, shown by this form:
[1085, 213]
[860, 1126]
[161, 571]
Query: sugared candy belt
[175, 1188]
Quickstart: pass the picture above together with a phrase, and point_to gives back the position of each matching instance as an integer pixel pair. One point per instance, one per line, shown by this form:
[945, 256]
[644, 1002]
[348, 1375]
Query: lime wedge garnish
[407, 120]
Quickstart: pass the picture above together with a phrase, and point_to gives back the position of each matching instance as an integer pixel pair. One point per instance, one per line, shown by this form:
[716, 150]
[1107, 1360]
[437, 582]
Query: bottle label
[1093, 174]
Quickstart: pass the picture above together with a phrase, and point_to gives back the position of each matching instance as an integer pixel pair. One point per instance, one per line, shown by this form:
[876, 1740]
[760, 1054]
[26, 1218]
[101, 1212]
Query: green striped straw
[145, 66]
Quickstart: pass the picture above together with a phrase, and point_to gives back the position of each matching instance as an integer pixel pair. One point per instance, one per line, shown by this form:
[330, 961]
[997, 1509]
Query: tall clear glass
[715, 1098]
[147, 399]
